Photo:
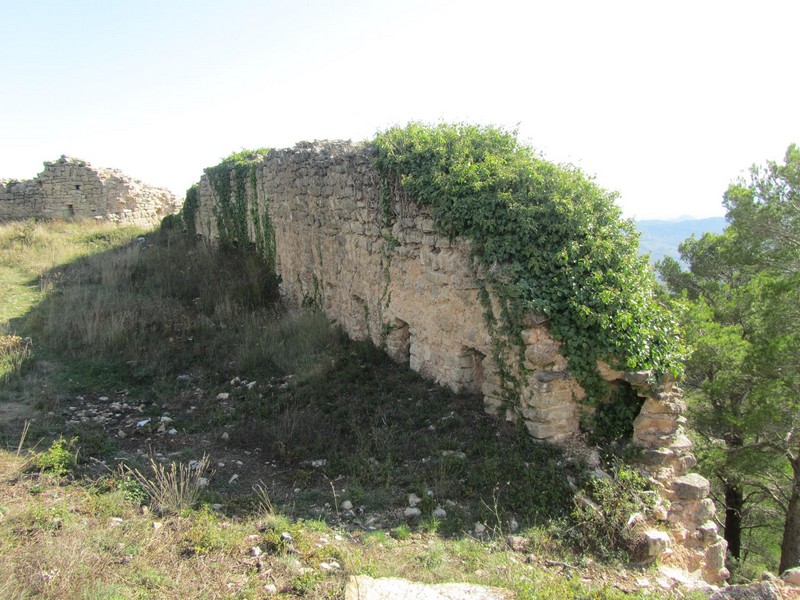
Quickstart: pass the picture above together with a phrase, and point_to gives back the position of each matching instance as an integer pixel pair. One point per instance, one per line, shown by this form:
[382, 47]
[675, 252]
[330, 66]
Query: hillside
[172, 431]
[661, 238]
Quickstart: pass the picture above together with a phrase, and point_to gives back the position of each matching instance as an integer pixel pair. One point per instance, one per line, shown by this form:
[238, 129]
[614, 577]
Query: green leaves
[233, 182]
[554, 241]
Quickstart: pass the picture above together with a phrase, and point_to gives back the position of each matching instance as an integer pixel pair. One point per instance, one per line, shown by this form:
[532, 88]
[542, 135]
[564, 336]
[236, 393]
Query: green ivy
[230, 181]
[189, 211]
[552, 242]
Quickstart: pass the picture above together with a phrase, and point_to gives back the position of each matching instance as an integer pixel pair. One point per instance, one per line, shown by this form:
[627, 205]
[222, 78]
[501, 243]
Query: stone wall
[417, 294]
[70, 188]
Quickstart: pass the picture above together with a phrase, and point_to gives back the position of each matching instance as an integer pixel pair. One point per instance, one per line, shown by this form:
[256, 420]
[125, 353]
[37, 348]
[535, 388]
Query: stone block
[691, 487]
[658, 543]
[550, 431]
[715, 555]
[655, 406]
[792, 576]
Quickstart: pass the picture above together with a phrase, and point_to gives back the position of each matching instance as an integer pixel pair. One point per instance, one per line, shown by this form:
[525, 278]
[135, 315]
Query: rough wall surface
[418, 294]
[70, 188]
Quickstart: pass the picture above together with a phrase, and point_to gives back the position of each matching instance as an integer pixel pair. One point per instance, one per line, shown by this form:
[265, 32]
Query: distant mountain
[661, 238]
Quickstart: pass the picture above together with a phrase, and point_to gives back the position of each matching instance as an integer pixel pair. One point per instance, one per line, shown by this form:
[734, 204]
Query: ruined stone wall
[70, 188]
[417, 294]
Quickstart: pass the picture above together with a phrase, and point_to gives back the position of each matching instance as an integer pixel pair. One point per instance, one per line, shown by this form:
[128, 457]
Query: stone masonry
[70, 188]
[416, 294]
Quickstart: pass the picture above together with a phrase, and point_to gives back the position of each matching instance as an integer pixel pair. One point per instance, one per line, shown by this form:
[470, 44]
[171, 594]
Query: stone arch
[469, 373]
[615, 415]
[358, 317]
[398, 341]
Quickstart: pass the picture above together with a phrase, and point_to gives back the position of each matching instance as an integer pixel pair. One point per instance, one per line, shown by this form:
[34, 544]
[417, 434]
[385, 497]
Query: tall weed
[176, 487]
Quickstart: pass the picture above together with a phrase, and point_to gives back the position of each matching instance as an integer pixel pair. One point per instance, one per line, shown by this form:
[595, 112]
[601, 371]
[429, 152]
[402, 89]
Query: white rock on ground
[364, 587]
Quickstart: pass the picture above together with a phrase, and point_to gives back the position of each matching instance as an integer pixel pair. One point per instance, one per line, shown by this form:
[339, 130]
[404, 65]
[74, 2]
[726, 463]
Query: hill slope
[660, 238]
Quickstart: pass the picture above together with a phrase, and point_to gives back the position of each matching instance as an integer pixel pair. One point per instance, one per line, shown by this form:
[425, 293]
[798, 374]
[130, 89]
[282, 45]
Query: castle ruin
[71, 189]
[416, 293]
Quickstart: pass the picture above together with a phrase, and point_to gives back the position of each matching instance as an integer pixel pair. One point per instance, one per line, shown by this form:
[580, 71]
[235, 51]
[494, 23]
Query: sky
[664, 102]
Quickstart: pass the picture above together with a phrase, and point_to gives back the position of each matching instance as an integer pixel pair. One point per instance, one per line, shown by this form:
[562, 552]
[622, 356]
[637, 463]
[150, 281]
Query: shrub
[605, 511]
[550, 241]
[60, 458]
[14, 351]
[176, 487]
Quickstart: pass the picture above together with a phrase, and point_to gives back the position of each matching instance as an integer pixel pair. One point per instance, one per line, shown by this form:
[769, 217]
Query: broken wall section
[70, 188]
[395, 280]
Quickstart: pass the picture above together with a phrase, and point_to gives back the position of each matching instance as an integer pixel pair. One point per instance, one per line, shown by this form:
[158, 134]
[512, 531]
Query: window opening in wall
[398, 341]
[70, 210]
[614, 416]
[77, 187]
[359, 318]
[470, 376]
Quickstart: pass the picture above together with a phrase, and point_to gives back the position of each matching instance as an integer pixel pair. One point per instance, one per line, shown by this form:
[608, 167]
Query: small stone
[223, 396]
[157, 525]
[121, 434]
[454, 454]
[439, 513]
[271, 589]
[161, 428]
[412, 512]
[225, 436]
[791, 576]
[255, 551]
[480, 528]
[166, 420]
[103, 399]
[347, 505]
[330, 566]
[202, 482]
[413, 500]
[754, 591]
[172, 431]
[517, 543]
[287, 537]
[217, 507]
[233, 479]
[251, 385]
[513, 525]
[143, 423]
[183, 378]
[658, 543]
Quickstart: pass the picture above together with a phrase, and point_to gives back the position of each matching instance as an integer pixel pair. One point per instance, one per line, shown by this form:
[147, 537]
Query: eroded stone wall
[395, 280]
[71, 188]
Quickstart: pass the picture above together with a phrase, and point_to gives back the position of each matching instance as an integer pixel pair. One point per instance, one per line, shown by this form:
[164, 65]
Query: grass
[152, 355]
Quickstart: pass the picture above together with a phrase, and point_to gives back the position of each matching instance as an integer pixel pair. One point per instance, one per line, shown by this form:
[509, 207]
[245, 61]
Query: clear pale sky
[666, 102]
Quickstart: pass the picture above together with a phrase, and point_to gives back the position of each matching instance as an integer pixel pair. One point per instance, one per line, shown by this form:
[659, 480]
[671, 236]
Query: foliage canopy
[552, 242]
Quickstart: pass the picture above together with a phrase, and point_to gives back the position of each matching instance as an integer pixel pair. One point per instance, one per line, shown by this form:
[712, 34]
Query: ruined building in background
[70, 188]
[319, 210]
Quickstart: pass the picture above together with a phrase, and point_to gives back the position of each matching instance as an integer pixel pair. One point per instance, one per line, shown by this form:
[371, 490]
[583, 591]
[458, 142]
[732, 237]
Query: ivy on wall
[552, 242]
[234, 183]
[189, 211]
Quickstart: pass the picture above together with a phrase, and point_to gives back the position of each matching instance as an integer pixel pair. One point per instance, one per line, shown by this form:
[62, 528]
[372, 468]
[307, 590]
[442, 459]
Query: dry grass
[124, 319]
[77, 541]
[176, 487]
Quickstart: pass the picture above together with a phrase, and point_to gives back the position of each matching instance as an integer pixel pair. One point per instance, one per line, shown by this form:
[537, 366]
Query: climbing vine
[189, 211]
[235, 185]
[551, 241]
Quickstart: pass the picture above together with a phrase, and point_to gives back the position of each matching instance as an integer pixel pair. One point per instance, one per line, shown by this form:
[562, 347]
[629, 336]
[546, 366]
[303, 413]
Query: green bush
[603, 512]
[60, 458]
[551, 241]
